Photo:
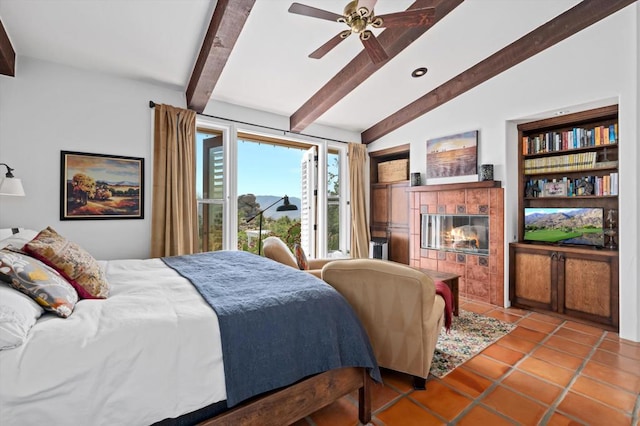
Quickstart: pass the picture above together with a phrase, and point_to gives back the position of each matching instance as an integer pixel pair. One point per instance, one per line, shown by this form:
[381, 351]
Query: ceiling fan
[359, 16]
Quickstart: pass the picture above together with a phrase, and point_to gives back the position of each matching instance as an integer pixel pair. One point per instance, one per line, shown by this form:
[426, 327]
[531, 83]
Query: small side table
[451, 280]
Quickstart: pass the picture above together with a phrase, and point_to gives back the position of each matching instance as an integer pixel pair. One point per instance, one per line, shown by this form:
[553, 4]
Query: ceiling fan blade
[325, 48]
[373, 47]
[408, 18]
[302, 9]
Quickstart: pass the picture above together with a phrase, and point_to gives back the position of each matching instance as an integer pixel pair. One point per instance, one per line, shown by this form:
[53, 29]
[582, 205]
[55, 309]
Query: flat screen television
[582, 226]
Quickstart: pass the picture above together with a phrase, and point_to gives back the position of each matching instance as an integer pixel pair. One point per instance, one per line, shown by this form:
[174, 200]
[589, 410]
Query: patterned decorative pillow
[38, 281]
[301, 258]
[71, 261]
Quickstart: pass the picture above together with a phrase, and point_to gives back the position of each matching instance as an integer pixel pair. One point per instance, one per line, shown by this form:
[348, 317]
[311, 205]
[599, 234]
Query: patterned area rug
[470, 333]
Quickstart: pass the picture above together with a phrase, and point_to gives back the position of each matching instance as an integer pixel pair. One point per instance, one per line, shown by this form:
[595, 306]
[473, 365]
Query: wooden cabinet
[389, 206]
[390, 217]
[577, 154]
[575, 282]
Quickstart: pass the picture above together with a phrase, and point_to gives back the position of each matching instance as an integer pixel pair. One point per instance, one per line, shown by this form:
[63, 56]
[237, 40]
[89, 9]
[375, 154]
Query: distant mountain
[576, 218]
[272, 213]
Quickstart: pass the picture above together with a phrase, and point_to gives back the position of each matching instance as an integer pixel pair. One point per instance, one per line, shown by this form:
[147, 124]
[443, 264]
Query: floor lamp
[286, 206]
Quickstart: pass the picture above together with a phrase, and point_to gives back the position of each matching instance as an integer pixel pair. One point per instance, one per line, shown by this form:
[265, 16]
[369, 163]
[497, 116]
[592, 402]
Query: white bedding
[150, 351]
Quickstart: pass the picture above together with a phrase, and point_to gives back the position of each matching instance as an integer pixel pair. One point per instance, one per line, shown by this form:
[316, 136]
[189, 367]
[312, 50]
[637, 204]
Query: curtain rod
[284, 132]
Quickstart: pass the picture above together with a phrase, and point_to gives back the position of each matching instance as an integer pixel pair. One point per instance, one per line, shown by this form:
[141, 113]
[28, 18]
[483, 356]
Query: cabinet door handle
[561, 257]
[554, 255]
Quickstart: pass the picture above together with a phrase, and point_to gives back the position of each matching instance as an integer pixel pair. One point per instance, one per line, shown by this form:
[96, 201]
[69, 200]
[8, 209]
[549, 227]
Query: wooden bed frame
[287, 405]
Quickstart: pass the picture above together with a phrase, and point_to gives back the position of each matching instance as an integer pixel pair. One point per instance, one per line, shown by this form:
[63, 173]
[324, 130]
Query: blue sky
[269, 170]
[265, 169]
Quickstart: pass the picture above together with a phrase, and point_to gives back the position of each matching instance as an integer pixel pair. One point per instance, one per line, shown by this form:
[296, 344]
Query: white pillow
[18, 313]
[20, 239]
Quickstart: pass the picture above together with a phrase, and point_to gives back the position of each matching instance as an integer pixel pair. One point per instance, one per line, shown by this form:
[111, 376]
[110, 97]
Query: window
[210, 189]
[247, 173]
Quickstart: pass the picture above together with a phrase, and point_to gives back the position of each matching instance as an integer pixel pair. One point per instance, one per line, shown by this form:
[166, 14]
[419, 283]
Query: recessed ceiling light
[562, 112]
[419, 72]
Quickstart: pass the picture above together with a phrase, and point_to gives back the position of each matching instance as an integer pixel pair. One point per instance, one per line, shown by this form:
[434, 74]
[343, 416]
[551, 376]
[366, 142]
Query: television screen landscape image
[583, 226]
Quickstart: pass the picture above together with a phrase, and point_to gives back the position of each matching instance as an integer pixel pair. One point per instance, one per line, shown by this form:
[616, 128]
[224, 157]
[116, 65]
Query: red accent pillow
[72, 262]
[301, 258]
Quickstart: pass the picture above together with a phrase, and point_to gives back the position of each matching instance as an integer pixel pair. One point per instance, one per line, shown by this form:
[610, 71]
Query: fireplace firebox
[457, 233]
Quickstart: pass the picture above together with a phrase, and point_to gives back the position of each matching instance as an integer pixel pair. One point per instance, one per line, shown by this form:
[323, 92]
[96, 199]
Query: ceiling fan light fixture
[419, 72]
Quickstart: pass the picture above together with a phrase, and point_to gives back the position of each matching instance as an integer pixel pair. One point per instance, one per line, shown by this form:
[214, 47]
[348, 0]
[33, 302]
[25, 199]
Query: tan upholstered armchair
[274, 248]
[398, 307]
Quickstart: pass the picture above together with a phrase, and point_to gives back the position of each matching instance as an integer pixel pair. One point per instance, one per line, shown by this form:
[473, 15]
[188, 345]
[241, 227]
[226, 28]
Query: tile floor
[547, 371]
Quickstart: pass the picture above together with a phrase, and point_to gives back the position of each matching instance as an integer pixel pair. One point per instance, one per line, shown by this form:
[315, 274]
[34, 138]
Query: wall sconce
[10, 184]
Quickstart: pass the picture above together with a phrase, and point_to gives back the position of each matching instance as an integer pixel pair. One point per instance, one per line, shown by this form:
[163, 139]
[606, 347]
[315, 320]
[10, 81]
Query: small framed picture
[555, 189]
[98, 186]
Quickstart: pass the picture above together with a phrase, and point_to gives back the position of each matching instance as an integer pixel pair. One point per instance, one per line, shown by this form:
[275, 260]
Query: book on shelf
[606, 185]
[578, 137]
[562, 163]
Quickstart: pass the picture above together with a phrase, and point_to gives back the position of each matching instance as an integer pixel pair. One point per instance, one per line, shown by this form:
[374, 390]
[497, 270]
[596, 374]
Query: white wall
[47, 108]
[598, 66]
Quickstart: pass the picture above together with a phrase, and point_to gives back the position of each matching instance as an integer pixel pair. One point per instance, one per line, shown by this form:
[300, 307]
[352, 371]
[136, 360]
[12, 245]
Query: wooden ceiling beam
[7, 54]
[394, 41]
[226, 24]
[581, 16]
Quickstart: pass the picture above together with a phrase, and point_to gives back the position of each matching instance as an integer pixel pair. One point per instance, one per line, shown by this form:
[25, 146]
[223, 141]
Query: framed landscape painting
[97, 186]
[455, 155]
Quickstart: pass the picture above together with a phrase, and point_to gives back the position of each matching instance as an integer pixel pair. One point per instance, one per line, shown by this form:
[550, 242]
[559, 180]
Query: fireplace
[457, 233]
[459, 228]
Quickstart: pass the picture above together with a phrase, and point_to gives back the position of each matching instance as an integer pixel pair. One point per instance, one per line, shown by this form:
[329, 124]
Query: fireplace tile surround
[481, 276]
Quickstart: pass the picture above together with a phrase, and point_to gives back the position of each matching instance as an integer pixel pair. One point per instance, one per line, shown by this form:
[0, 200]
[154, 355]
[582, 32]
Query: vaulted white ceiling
[268, 69]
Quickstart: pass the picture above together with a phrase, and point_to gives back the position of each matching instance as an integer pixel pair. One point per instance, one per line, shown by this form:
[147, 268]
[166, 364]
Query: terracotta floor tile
[577, 336]
[546, 371]
[516, 343]
[588, 329]
[381, 395]
[569, 346]
[622, 347]
[541, 326]
[338, 413]
[503, 316]
[487, 367]
[556, 357]
[504, 354]
[399, 381]
[533, 387]
[558, 419]
[546, 318]
[527, 334]
[620, 362]
[479, 308]
[517, 311]
[442, 400]
[482, 416]
[604, 393]
[466, 382]
[612, 376]
[591, 411]
[406, 413]
[519, 408]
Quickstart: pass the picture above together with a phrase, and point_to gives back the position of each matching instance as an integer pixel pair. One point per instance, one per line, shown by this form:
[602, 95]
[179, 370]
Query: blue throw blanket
[278, 324]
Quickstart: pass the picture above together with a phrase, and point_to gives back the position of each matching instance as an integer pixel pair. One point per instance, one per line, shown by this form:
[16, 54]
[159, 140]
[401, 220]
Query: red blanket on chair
[443, 290]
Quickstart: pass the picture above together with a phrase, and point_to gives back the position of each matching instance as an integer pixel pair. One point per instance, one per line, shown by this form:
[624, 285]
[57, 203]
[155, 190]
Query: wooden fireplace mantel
[454, 186]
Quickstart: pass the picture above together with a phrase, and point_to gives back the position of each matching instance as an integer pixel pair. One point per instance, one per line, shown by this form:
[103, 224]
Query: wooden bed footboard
[294, 402]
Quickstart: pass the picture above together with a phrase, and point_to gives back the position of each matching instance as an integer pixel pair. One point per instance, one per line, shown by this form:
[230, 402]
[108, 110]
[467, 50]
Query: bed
[155, 351]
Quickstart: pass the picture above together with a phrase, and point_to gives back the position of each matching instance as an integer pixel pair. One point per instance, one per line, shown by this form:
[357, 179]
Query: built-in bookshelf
[568, 162]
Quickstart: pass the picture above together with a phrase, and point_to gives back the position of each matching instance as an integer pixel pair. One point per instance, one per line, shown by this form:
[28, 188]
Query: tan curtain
[360, 235]
[174, 207]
